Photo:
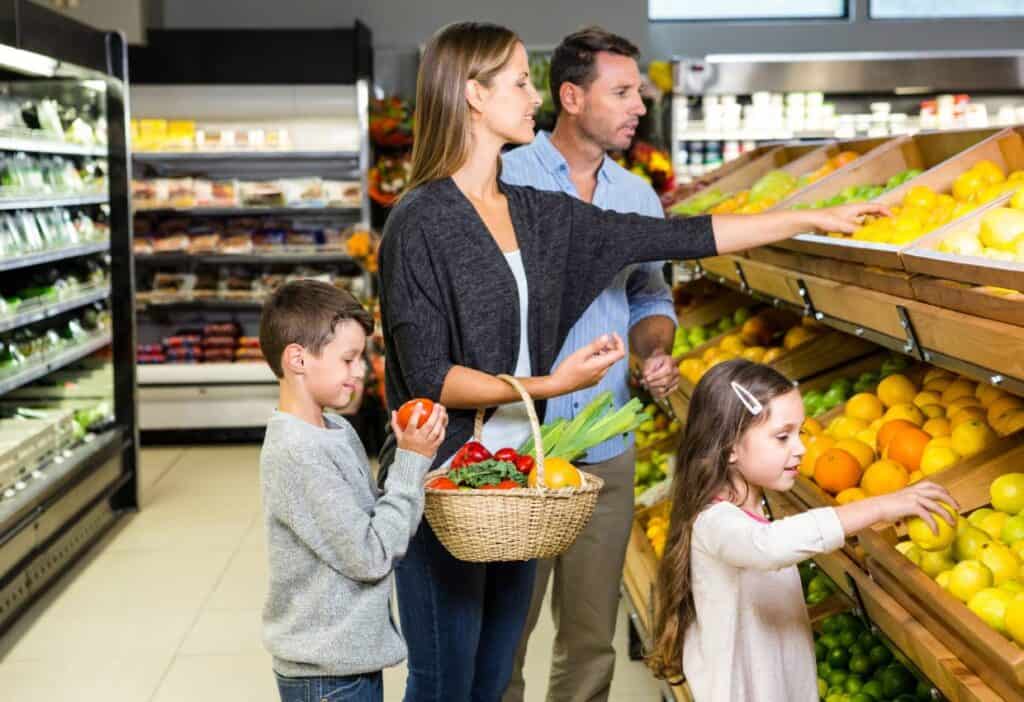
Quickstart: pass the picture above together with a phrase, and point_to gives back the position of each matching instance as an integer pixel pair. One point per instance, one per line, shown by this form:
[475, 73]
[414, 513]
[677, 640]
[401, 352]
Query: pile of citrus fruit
[854, 665]
[763, 338]
[818, 587]
[656, 528]
[905, 431]
[923, 210]
[981, 560]
[998, 236]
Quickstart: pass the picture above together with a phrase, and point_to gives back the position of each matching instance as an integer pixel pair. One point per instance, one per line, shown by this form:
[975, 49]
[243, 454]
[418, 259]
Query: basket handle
[531, 412]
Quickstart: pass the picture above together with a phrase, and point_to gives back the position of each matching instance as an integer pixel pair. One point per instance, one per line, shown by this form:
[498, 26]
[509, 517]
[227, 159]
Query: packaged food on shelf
[262, 194]
[342, 193]
[302, 192]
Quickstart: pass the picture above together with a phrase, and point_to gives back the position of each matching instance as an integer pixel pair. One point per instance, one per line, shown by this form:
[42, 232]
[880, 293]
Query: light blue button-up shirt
[638, 292]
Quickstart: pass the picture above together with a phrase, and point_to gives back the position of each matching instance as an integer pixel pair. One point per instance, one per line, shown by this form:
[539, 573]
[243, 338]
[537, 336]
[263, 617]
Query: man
[595, 83]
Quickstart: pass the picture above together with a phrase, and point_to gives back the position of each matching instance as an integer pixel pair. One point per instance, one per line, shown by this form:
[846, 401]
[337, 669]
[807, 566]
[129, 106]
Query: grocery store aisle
[168, 608]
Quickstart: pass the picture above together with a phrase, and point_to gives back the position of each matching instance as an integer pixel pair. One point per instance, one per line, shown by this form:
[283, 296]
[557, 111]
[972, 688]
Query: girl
[731, 613]
[480, 278]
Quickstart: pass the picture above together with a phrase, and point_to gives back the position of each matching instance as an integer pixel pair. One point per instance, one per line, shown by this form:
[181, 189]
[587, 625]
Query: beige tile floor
[167, 608]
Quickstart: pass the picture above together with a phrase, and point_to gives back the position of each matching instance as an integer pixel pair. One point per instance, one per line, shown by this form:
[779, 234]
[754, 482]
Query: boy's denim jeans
[461, 621]
[368, 687]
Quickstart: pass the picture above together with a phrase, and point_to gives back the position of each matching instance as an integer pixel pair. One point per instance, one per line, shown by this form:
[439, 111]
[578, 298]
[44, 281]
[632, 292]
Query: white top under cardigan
[752, 641]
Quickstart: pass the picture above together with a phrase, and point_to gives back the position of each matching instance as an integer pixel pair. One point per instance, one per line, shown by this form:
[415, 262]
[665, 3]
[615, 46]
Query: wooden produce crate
[996, 660]
[708, 302]
[892, 282]
[721, 267]
[945, 154]
[795, 159]
[991, 303]
[924, 256]
[640, 573]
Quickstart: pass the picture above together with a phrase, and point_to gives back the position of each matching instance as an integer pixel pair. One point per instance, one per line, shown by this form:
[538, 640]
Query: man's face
[611, 105]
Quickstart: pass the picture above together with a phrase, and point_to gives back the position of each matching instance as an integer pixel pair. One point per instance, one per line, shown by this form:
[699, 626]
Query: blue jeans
[368, 687]
[462, 621]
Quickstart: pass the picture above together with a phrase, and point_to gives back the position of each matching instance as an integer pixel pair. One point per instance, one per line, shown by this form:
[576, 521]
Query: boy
[333, 537]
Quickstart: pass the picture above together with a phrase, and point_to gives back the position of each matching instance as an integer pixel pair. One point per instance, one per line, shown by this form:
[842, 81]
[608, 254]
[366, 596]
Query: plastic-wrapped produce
[10, 240]
[30, 175]
[10, 115]
[31, 237]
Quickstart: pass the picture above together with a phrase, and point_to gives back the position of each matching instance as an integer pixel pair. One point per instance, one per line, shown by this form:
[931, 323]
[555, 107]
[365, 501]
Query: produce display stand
[706, 311]
[945, 155]
[66, 497]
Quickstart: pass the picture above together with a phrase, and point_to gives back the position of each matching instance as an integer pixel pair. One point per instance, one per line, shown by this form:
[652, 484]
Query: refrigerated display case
[68, 433]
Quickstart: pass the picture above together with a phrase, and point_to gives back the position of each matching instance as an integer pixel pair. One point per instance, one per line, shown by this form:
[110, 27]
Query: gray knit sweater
[333, 540]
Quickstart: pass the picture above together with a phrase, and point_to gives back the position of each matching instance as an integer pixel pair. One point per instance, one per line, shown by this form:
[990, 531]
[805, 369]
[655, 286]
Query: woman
[481, 278]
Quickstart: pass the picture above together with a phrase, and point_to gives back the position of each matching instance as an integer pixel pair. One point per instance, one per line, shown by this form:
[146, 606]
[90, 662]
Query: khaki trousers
[585, 594]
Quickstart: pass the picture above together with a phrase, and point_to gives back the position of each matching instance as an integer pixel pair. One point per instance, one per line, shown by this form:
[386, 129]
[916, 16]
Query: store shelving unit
[899, 298]
[58, 497]
[317, 83]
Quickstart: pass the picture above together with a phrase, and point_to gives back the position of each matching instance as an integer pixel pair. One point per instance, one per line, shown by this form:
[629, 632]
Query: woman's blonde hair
[456, 54]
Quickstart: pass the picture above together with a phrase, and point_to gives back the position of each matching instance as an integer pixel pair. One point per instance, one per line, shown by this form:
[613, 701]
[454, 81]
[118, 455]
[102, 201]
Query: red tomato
[503, 485]
[406, 410]
[442, 483]
[476, 453]
[506, 454]
[524, 464]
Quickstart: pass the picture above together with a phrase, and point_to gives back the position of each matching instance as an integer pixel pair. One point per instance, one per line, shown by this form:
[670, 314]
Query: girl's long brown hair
[715, 423]
[456, 54]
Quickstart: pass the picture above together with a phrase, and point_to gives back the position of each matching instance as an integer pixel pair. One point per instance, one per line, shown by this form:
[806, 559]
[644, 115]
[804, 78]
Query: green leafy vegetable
[489, 472]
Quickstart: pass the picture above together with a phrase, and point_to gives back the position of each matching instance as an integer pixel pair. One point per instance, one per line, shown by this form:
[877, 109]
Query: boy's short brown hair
[305, 312]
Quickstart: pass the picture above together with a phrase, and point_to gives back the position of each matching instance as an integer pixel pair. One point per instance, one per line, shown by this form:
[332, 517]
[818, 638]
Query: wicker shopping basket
[511, 525]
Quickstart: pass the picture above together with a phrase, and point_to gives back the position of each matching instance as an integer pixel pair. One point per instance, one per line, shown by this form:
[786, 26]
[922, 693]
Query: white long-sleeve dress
[752, 640]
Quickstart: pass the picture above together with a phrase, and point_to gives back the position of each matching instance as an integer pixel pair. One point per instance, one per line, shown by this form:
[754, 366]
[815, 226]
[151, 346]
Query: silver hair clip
[752, 404]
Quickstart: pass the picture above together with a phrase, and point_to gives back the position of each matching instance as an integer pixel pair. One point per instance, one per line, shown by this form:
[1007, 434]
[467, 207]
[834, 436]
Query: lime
[897, 680]
[824, 670]
[817, 597]
[906, 698]
[822, 688]
[861, 697]
[820, 651]
[880, 655]
[848, 638]
[924, 691]
[830, 641]
[837, 678]
[854, 684]
[831, 625]
[874, 689]
[846, 621]
[839, 658]
[868, 641]
[861, 664]
[835, 697]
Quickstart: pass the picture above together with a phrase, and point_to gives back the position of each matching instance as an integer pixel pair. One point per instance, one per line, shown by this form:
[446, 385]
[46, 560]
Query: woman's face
[506, 107]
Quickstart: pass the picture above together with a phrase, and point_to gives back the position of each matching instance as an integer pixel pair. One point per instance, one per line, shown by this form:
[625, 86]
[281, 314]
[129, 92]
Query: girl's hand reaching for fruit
[918, 500]
[845, 219]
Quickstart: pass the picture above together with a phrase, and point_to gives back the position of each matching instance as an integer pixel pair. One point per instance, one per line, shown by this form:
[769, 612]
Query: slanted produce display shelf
[984, 349]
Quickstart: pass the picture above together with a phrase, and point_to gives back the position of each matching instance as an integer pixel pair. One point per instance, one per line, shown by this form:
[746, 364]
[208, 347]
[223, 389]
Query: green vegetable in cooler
[741, 315]
[90, 319]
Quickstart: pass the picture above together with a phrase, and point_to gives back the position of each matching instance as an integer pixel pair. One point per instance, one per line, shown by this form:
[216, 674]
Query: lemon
[938, 374]
[943, 578]
[946, 441]
[864, 454]
[1018, 548]
[972, 437]
[869, 437]
[935, 562]
[937, 426]
[1014, 620]
[1001, 560]
[969, 542]
[897, 389]
[925, 398]
[911, 551]
[958, 389]
[968, 579]
[864, 406]
[1014, 586]
[915, 477]
[991, 605]
[923, 536]
[936, 459]
[905, 410]
[1007, 493]
[938, 385]
[987, 394]
[978, 515]
[934, 411]
[992, 524]
[846, 427]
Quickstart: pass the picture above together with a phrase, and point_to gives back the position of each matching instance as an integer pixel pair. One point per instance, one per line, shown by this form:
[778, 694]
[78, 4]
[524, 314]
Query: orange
[772, 355]
[884, 477]
[850, 495]
[558, 474]
[797, 336]
[816, 446]
[836, 470]
[859, 450]
[811, 426]
[889, 431]
[844, 158]
[864, 406]
[907, 447]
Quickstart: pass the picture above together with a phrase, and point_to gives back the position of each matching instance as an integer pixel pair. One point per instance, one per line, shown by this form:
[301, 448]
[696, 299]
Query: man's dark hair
[305, 312]
[574, 59]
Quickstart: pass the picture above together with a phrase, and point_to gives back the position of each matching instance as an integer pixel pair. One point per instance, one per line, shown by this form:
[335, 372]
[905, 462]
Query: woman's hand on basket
[424, 440]
[587, 366]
